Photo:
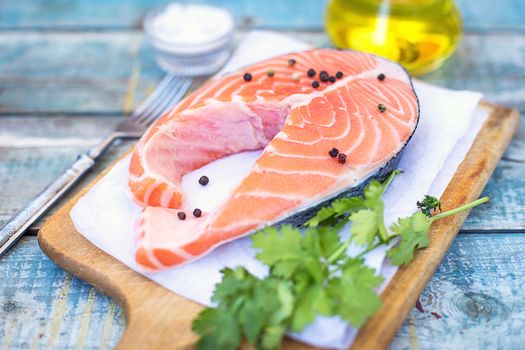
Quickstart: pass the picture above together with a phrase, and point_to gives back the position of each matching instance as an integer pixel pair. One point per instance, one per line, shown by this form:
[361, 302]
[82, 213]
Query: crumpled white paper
[448, 125]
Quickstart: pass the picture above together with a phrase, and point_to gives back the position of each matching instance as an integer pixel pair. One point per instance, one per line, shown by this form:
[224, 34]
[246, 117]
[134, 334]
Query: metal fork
[169, 91]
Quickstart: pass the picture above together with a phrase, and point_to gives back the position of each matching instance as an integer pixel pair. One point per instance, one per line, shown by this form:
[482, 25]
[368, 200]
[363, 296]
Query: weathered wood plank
[24, 174]
[34, 149]
[92, 73]
[477, 297]
[74, 72]
[478, 292]
[479, 15]
[42, 306]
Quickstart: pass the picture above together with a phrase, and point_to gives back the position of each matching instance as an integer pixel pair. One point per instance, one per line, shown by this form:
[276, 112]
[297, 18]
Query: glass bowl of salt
[190, 40]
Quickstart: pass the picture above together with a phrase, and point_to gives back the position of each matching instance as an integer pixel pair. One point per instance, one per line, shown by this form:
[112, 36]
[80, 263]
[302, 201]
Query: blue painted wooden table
[69, 70]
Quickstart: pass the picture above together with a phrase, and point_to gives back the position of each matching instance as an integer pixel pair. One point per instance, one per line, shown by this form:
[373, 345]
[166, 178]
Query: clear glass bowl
[183, 57]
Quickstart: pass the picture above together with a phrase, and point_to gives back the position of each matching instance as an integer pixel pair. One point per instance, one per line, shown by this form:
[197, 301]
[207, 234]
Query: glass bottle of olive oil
[419, 34]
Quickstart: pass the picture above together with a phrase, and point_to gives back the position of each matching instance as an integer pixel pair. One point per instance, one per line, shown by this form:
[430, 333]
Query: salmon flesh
[368, 113]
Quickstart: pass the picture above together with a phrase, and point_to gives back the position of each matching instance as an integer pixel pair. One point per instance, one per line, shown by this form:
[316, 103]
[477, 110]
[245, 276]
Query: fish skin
[152, 258]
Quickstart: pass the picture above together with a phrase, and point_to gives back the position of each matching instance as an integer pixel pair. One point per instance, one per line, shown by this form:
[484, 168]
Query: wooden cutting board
[159, 319]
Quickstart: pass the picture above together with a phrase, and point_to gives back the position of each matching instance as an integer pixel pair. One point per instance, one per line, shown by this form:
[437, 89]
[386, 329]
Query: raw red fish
[294, 122]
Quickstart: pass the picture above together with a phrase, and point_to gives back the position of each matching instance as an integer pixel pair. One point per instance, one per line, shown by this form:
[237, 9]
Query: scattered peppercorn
[339, 75]
[247, 77]
[381, 107]
[271, 72]
[310, 73]
[291, 62]
[295, 76]
[341, 158]
[197, 212]
[181, 215]
[332, 79]
[204, 180]
[333, 152]
[315, 84]
[323, 76]
[381, 77]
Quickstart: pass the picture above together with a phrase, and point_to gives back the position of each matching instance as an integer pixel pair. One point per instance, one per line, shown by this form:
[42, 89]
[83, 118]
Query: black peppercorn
[341, 158]
[381, 77]
[247, 77]
[291, 62]
[204, 180]
[310, 73]
[381, 107]
[333, 152]
[197, 212]
[323, 76]
[339, 75]
[181, 215]
[332, 79]
[315, 84]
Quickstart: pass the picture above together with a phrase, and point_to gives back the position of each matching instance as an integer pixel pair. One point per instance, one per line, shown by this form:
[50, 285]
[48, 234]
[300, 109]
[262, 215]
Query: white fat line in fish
[145, 244]
[237, 223]
[260, 170]
[268, 195]
[377, 141]
[166, 198]
[150, 190]
[391, 101]
[297, 100]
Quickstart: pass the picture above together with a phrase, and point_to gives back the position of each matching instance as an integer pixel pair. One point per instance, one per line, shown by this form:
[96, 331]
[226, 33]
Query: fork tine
[174, 96]
[177, 95]
[152, 98]
[161, 100]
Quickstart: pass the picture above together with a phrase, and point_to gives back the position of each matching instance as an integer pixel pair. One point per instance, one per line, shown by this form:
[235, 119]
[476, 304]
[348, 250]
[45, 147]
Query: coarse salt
[191, 24]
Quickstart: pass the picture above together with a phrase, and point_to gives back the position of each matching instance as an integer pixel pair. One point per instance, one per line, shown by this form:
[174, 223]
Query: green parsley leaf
[348, 205]
[321, 216]
[234, 282]
[310, 303]
[272, 336]
[373, 193]
[218, 329]
[260, 309]
[428, 205]
[374, 201]
[364, 226]
[339, 207]
[329, 239]
[282, 251]
[353, 292]
[414, 234]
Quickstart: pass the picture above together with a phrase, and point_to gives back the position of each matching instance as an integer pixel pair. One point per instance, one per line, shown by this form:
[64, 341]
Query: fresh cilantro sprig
[257, 309]
[413, 232]
[310, 273]
[428, 205]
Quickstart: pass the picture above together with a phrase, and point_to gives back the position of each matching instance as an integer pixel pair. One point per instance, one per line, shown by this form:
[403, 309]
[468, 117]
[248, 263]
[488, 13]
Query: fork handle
[15, 227]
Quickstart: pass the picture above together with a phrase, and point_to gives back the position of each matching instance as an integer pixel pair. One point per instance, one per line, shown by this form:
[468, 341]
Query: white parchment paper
[448, 125]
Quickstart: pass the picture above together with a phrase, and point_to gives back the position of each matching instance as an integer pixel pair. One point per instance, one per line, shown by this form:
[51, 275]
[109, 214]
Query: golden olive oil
[419, 34]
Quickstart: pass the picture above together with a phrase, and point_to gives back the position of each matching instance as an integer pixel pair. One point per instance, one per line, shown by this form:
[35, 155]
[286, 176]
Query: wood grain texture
[480, 15]
[44, 307]
[91, 73]
[150, 307]
[466, 185]
[33, 153]
[45, 145]
[466, 291]
[461, 308]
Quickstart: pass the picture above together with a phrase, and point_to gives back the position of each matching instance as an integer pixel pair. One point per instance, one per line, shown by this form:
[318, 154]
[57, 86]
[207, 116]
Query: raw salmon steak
[361, 105]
